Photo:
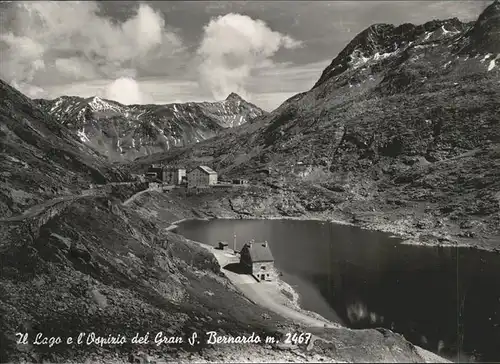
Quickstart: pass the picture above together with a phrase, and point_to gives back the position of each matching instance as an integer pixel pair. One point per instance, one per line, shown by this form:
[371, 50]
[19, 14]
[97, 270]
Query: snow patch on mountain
[493, 63]
[83, 137]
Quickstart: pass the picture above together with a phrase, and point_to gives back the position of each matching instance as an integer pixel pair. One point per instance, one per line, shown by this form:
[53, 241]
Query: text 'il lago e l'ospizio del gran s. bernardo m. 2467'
[209, 337]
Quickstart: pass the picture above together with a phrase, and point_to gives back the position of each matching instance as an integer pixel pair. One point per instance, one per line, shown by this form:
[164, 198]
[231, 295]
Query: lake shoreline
[244, 208]
[406, 239]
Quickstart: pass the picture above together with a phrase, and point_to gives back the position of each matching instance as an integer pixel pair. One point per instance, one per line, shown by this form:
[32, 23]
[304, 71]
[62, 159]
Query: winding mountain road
[40, 208]
[134, 196]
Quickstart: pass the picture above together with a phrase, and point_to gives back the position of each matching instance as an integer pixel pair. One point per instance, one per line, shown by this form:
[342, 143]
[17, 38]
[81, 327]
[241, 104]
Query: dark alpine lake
[446, 300]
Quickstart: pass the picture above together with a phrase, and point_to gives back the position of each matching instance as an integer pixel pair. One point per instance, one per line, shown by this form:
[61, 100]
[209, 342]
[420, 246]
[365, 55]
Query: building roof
[207, 170]
[174, 168]
[260, 252]
[165, 167]
[154, 167]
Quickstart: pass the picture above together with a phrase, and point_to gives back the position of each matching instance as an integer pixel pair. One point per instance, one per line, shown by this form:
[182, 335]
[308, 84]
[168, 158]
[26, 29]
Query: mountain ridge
[384, 39]
[124, 132]
[484, 36]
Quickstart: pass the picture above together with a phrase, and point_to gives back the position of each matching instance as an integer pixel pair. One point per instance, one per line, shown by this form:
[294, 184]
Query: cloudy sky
[174, 51]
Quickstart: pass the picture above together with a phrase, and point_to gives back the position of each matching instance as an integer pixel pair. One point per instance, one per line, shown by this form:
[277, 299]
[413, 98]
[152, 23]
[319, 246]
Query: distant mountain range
[390, 86]
[124, 132]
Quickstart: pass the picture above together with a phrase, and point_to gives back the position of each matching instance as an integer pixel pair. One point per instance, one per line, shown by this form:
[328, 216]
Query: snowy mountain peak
[484, 36]
[381, 41]
[98, 104]
[234, 97]
[126, 132]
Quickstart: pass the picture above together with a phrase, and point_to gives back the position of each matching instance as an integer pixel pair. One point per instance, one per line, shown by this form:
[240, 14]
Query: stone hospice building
[257, 260]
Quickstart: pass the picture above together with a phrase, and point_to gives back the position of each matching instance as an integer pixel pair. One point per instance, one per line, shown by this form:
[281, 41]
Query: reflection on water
[444, 299]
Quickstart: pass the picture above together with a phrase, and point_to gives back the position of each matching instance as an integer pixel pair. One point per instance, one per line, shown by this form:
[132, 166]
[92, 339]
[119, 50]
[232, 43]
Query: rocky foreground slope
[95, 266]
[400, 133]
[124, 132]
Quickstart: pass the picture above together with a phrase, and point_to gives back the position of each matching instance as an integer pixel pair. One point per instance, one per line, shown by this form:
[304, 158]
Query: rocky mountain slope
[400, 133]
[86, 264]
[39, 158]
[124, 132]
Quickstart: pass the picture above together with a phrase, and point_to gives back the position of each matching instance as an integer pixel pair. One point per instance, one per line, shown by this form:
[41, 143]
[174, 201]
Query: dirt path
[38, 209]
[257, 293]
[133, 197]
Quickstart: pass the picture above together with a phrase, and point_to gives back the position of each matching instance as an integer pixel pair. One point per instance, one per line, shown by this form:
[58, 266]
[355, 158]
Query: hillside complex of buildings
[199, 177]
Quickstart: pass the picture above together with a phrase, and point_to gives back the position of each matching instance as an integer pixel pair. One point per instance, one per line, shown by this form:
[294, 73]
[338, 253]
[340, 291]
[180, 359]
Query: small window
[263, 267]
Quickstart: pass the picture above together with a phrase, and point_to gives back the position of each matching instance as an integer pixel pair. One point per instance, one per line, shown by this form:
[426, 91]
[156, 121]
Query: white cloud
[269, 87]
[233, 46]
[74, 69]
[126, 91]
[59, 45]
[155, 91]
[271, 100]
[73, 42]
[31, 91]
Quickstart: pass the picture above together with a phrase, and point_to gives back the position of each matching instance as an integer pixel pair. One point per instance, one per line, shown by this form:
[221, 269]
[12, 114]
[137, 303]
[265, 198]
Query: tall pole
[234, 243]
